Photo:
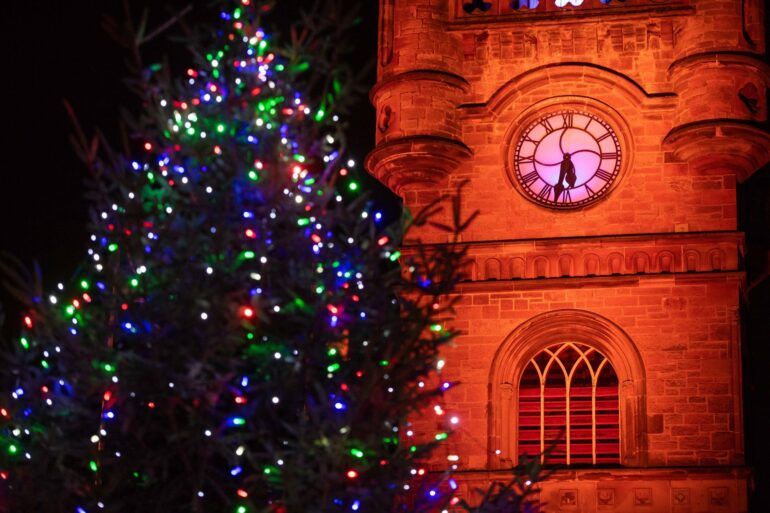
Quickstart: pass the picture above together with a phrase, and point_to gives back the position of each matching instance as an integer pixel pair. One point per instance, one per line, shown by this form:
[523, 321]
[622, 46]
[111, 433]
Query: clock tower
[600, 313]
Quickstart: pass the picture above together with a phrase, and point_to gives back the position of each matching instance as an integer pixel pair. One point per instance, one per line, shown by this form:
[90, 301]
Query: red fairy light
[28, 321]
[344, 387]
[151, 405]
[383, 240]
[352, 474]
[110, 227]
[44, 389]
[242, 493]
[251, 234]
[240, 399]
[247, 312]
[256, 91]
[195, 101]
[344, 172]
[171, 183]
[76, 303]
[127, 231]
[107, 396]
[4, 475]
[124, 307]
[147, 224]
[86, 297]
[4, 413]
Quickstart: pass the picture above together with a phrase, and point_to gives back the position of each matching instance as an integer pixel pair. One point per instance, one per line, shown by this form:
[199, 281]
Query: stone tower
[602, 142]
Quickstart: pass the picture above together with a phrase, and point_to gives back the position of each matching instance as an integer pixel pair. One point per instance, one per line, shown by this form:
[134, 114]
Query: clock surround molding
[530, 116]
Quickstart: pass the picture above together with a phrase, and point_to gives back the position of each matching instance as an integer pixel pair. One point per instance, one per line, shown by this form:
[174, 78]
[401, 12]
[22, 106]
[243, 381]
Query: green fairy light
[320, 289]
[220, 128]
[436, 327]
[240, 509]
[24, 342]
[239, 421]
[70, 310]
[93, 466]
[353, 186]
[332, 351]
[134, 282]
[13, 449]
[384, 363]
[303, 221]
[333, 367]
[358, 453]
[84, 284]
[44, 364]
[108, 367]
[253, 175]
[441, 436]
[112, 248]
[395, 256]
[249, 255]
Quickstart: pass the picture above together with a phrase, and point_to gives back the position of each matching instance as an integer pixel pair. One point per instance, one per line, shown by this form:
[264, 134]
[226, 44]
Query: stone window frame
[555, 327]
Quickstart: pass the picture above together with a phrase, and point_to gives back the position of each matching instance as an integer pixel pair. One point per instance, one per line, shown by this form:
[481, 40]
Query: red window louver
[568, 399]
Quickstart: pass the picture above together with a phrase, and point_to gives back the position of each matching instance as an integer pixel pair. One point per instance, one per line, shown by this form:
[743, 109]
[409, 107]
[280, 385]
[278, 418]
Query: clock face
[567, 159]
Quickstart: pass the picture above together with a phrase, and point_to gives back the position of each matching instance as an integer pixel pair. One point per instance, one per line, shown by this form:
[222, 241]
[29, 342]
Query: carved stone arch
[566, 265]
[716, 260]
[518, 269]
[591, 265]
[560, 326]
[540, 267]
[666, 262]
[543, 77]
[615, 263]
[640, 263]
[492, 269]
[691, 261]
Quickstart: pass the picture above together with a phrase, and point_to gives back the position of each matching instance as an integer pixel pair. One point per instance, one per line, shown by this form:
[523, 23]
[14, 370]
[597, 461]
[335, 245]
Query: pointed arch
[558, 327]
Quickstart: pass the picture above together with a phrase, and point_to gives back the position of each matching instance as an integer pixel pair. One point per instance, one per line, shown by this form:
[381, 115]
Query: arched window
[568, 399]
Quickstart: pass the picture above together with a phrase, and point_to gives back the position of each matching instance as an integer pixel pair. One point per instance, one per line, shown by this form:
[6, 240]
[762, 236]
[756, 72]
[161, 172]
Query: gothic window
[568, 399]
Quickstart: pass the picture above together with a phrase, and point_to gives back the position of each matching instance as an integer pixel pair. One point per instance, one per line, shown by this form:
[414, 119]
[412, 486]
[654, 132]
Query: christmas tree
[242, 337]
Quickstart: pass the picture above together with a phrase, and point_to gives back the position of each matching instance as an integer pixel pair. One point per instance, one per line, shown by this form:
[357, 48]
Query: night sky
[56, 51]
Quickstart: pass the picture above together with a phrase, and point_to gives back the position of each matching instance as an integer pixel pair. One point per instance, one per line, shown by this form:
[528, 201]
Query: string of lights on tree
[234, 342]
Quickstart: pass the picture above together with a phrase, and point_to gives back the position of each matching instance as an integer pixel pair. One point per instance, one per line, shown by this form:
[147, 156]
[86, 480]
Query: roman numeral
[603, 137]
[604, 175]
[527, 160]
[591, 192]
[545, 192]
[609, 156]
[567, 117]
[530, 178]
[547, 125]
[566, 197]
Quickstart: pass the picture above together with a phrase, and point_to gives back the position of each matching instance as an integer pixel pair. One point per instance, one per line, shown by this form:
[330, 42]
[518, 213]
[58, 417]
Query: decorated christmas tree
[242, 337]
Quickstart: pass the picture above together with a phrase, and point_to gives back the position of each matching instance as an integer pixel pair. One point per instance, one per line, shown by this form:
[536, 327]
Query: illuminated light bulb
[440, 364]
[240, 450]
[204, 316]
[276, 400]
[352, 474]
[94, 439]
[528, 483]
[453, 457]
[454, 420]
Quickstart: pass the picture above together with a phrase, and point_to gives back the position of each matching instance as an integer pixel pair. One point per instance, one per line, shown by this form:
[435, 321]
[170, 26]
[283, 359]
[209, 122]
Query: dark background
[54, 50]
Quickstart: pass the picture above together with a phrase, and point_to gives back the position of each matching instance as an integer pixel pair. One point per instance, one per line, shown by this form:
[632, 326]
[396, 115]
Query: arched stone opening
[557, 327]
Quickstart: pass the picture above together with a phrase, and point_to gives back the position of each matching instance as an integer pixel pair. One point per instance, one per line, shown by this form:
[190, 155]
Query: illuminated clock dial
[567, 159]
